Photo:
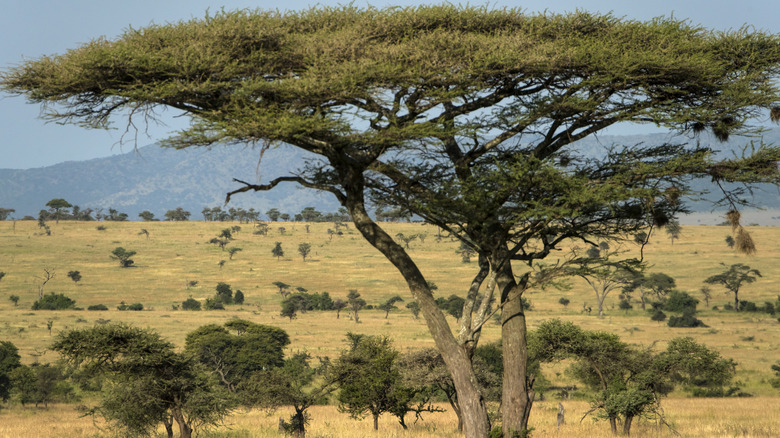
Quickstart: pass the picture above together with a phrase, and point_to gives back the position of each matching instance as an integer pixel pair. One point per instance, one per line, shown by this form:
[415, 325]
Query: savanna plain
[174, 262]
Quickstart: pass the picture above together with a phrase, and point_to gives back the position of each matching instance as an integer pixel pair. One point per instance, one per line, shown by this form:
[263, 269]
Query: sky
[30, 29]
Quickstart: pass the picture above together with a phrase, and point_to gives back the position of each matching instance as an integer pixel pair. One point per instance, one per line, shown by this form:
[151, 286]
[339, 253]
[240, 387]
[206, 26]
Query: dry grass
[177, 253]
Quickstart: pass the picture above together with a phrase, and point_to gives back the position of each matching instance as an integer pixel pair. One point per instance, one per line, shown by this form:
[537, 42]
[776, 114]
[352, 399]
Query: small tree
[414, 307]
[278, 252]
[283, 287]
[673, 230]
[355, 303]
[389, 305]
[289, 309]
[179, 214]
[733, 278]
[603, 274]
[14, 299]
[123, 256]
[58, 206]
[563, 301]
[146, 216]
[273, 214]
[338, 306]
[190, 304]
[75, 276]
[233, 251]
[54, 301]
[238, 297]
[304, 249]
[707, 294]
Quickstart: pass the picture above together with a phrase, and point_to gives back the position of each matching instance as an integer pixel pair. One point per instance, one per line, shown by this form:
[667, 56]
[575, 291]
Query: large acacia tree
[467, 117]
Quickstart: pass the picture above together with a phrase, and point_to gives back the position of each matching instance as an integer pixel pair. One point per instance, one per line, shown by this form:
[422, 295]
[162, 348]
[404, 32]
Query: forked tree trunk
[627, 425]
[475, 419]
[185, 431]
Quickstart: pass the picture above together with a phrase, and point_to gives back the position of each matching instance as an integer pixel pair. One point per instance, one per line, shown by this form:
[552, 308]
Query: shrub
[212, 304]
[135, 306]
[680, 302]
[54, 301]
[190, 304]
[238, 297]
[658, 315]
[97, 307]
[685, 320]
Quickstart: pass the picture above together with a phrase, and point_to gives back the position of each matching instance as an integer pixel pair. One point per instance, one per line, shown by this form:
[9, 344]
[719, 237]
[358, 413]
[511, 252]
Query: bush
[680, 302]
[54, 301]
[212, 304]
[238, 297]
[97, 307]
[686, 320]
[136, 306]
[190, 304]
[658, 315]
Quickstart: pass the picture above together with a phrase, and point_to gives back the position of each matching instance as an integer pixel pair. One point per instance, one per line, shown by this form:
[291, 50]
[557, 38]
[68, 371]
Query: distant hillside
[157, 179]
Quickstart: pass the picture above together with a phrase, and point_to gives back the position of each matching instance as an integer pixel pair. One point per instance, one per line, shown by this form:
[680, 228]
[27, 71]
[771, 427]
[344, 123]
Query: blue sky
[32, 28]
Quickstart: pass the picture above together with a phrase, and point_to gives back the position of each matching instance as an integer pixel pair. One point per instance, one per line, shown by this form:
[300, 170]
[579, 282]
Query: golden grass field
[177, 252]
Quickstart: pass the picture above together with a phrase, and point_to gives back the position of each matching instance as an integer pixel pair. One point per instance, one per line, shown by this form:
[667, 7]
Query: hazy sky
[32, 28]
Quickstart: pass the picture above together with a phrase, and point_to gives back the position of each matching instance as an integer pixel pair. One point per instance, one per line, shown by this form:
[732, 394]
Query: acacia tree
[733, 278]
[57, 206]
[151, 382]
[466, 117]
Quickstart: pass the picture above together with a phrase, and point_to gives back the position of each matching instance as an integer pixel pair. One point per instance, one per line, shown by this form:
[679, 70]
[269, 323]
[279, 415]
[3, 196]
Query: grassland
[175, 254]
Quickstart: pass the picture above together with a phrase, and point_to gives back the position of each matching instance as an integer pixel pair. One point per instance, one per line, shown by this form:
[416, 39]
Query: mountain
[159, 179]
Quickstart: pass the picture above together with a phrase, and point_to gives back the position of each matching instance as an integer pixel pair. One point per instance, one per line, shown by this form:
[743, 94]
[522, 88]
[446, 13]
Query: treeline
[139, 380]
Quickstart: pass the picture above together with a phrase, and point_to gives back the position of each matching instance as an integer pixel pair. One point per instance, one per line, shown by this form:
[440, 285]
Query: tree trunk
[458, 362]
[168, 423]
[517, 394]
[627, 425]
[613, 425]
[736, 301]
[185, 431]
[376, 421]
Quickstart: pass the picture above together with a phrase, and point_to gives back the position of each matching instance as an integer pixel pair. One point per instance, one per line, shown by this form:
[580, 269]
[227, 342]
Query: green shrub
[97, 307]
[212, 304]
[680, 302]
[685, 320]
[190, 304]
[135, 306]
[54, 301]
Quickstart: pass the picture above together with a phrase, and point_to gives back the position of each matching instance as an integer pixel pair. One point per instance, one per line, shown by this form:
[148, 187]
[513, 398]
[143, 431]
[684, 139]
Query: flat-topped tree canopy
[466, 116]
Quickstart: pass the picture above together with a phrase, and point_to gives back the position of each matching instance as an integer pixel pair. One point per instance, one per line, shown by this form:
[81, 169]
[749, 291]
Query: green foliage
[40, 384]
[453, 305]
[414, 307]
[563, 301]
[278, 252]
[9, 361]
[355, 303]
[123, 256]
[54, 301]
[190, 304]
[687, 319]
[389, 305]
[304, 249]
[237, 349]
[213, 304]
[134, 306]
[733, 278]
[97, 307]
[150, 383]
[238, 297]
[680, 302]
[75, 276]
[179, 214]
[224, 293]
[14, 299]
[658, 315]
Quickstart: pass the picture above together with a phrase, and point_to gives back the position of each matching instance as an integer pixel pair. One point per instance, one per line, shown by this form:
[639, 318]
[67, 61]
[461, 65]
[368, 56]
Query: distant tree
[284, 216]
[289, 309]
[338, 306]
[2, 274]
[123, 256]
[625, 304]
[146, 215]
[179, 214]
[563, 301]
[406, 239]
[310, 214]
[733, 278]
[603, 274]
[707, 293]
[656, 283]
[452, 305]
[224, 293]
[273, 214]
[465, 252]
[47, 276]
[5, 213]
[238, 297]
[304, 249]
[278, 252]
[355, 303]
[134, 307]
[150, 383]
[58, 206]
[730, 242]
[414, 307]
[14, 299]
[116, 216]
[233, 251]
[75, 276]
[282, 287]
[389, 305]
[673, 230]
